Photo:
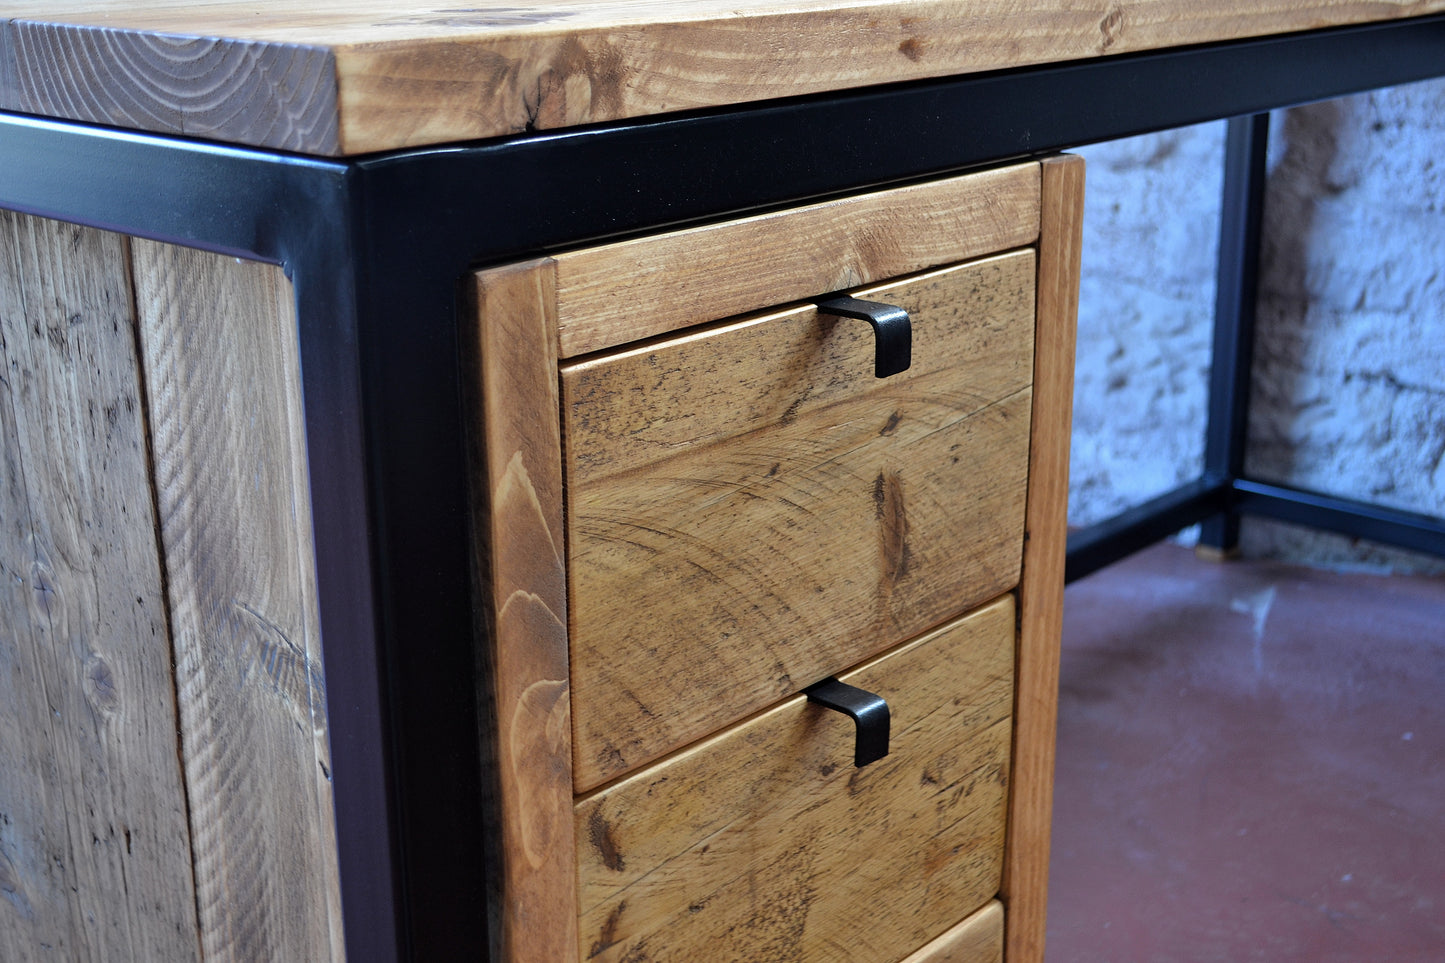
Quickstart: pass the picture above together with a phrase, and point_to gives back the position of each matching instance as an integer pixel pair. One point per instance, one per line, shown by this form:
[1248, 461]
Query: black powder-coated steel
[1241, 219]
[892, 331]
[868, 712]
[1095, 546]
[377, 248]
[1104, 543]
[1388, 526]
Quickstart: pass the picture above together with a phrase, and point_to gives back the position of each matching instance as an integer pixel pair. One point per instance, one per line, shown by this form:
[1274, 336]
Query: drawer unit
[701, 501]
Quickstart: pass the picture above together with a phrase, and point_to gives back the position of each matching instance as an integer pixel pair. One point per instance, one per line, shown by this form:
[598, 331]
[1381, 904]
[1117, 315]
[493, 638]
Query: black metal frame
[377, 248]
[1224, 493]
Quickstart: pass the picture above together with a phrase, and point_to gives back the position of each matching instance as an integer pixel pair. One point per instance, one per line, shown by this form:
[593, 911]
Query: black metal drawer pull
[868, 711]
[892, 331]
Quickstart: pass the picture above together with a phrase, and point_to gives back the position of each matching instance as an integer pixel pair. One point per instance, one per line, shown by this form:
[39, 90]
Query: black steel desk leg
[1236, 288]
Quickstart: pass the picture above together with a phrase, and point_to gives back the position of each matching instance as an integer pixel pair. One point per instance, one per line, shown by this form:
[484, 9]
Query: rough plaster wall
[1349, 377]
[1146, 293]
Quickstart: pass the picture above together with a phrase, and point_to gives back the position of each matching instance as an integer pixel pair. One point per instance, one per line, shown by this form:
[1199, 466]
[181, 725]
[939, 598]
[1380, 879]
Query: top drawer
[751, 510]
[612, 295]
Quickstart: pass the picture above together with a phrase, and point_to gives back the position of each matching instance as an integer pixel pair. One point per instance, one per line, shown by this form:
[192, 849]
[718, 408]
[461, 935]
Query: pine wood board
[95, 858]
[618, 293]
[517, 482]
[332, 77]
[765, 842]
[750, 508]
[645, 404]
[1041, 591]
[223, 381]
[978, 939]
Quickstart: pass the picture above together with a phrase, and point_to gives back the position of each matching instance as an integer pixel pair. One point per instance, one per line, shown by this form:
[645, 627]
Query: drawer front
[620, 293]
[750, 509]
[765, 843]
[978, 939]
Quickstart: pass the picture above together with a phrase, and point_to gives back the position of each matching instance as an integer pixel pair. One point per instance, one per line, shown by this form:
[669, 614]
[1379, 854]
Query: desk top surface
[339, 77]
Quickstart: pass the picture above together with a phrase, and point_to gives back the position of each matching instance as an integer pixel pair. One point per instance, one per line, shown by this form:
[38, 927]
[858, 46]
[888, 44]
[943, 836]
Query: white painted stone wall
[1349, 377]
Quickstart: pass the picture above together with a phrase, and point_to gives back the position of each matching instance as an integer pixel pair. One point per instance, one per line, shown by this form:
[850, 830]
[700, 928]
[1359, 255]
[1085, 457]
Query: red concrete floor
[1251, 766]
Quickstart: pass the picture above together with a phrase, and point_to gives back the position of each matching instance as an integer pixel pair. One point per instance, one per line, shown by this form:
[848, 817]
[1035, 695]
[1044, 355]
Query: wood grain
[409, 73]
[95, 859]
[521, 555]
[978, 939]
[1041, 592]
[222, 378]
[618, 293]
[9, 93]
[764, 843]
[749, 508]
[270, 95]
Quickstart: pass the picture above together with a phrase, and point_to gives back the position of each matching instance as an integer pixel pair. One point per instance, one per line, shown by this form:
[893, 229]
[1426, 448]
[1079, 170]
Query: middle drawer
[749, 510]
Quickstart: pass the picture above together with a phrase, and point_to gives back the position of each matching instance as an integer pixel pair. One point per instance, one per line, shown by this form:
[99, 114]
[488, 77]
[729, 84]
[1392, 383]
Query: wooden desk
[273, 452]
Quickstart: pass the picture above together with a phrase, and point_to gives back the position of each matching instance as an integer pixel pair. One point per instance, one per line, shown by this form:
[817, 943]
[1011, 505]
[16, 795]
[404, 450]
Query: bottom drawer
[765, 843]
[978, 939]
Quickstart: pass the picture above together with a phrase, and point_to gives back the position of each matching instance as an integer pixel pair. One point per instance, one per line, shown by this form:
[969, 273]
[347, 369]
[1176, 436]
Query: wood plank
[978, 939]
[521, 555]
[1041, 592]
[222, 376]
[9, 92]
[618, 293]
[749, 508]
[764, 843]
[409, 73]
[271, 95]
[95, 858]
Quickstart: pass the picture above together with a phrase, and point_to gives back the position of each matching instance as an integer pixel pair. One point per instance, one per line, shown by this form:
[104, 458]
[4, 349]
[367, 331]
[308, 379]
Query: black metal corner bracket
[892, 330]
[868, 711]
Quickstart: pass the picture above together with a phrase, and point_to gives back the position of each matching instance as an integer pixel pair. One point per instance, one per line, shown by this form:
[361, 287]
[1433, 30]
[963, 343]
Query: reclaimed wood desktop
[401, 563]
[348, 77]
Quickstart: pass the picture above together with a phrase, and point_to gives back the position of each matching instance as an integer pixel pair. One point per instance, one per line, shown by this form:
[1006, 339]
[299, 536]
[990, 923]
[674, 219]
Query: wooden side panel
[95, 859]
[611, 295]
[1041, 592]
[522, 555]
[222, 375]
[765, 843]
[978, 939]
[270, 95]
[749, 508]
